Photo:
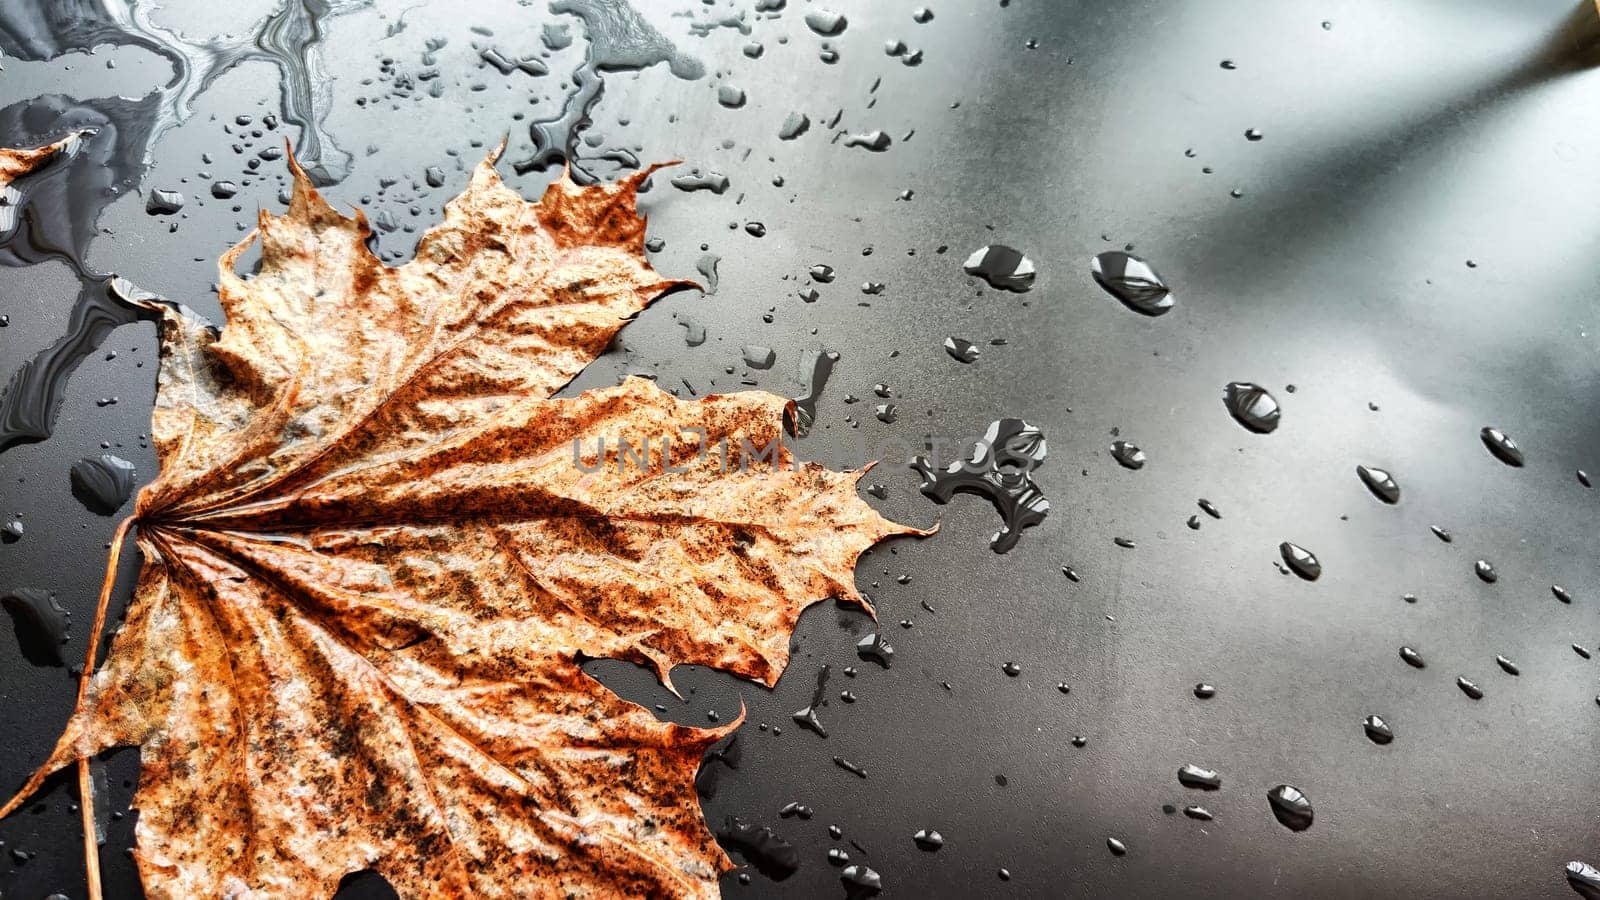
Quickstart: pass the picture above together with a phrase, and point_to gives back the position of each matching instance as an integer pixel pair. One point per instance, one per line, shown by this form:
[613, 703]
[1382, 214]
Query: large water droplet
[102, 484]
[1380, 483]
[876, 141]
[1377, 729]
[860, 882]
[1133, 281]
[1252, 406]
[1502, 446]
[1002, 267]
[998, 466]
[1302, 561]
[928, 839]
[875, 648]
[1486, 571]
[1585, 879]
[1193, 776]
[1291, 807]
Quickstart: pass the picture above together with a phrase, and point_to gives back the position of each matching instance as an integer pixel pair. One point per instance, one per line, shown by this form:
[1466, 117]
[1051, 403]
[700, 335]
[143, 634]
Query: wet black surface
[1410, 249]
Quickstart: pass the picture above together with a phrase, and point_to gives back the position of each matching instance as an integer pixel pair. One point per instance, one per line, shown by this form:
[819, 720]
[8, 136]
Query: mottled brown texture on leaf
[16, 163]
[371, 563]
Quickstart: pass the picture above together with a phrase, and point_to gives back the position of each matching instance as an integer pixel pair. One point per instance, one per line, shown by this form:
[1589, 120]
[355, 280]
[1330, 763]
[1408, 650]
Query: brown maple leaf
[15, 163]
[373, 562]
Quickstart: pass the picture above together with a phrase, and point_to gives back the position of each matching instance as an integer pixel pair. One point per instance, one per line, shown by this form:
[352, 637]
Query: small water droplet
[1205, 691]
[876, 648]
[1291, 807]
[1251, 134]
[1012, 668]
[1380, 483]
[838, 857]
[1469, 688]
[1116, 847]
[1583, 479]
[163, 203]
[1581, 650]
[877, 141]
[961, 350]
[1198, 812]
[922, 15]
[1412, 658]
[1002, 267]
[1302, 561]
[1125, 543]
[1133, 281]
[1210, 509]
[1127, 455]
[1252, 406]
[860, 882]
[928, 839]
[826, 22]
[1229, 64]
[1506, 665]
[1193, 776]
[1502, 446]
[1486, 571]
[1442, 533]
[793, 126]
[1063, 687]
[1377, 729]
[1561, 593]
[730, 95]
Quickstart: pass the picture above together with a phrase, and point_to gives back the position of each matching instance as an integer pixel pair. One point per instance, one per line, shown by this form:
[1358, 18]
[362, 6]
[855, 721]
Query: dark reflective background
[1411, 249]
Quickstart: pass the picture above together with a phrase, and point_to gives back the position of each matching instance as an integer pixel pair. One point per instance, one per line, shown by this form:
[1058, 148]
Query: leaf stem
[91, 847]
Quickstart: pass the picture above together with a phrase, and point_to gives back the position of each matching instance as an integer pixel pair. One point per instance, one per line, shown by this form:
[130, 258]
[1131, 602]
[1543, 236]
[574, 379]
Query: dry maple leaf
[16, 163]
[372, 562]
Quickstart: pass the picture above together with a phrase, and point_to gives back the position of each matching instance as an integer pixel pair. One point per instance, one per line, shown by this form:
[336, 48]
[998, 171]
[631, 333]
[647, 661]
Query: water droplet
[1380, 483]
[793, 126]
[922, 15]
[1079, 741]
[163, 203]
[694, 331]
[1194, 522]
[1291, 807]
[1071, 574]
[40, 623]
[1583, 479]
[1193, 776]
[838, 857]
[928, 839]
[876, 648]
[1198, 812]
[1581, 650]
[1116, 847]
[850, 767]
[1063, 687]
[1127, 455]
[1561, 593]
[715, 182]
[102, 484]
[1125, 543]
[1251, 134]
[1011, 668]
[826, 22]
[1133, 281]
[1229, 64]
[1210, 509]
[886, 413]
[818, 366]
[961, 350]
[1442, 533]
[1506, 665]
[1585, 879]
[1412, 658]
[1502, 446]
[755, 229]
[1004, 268]
[772, 856]
[877, 141]
[434, 176]
[1302, 561]
[11, 531]
[1486, 571]
[1252, 406]
[1205, 691]
[821, 273]
[1377, 729]
[730, 95]
[223, 190]
[758, 357]
[1469, 688]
